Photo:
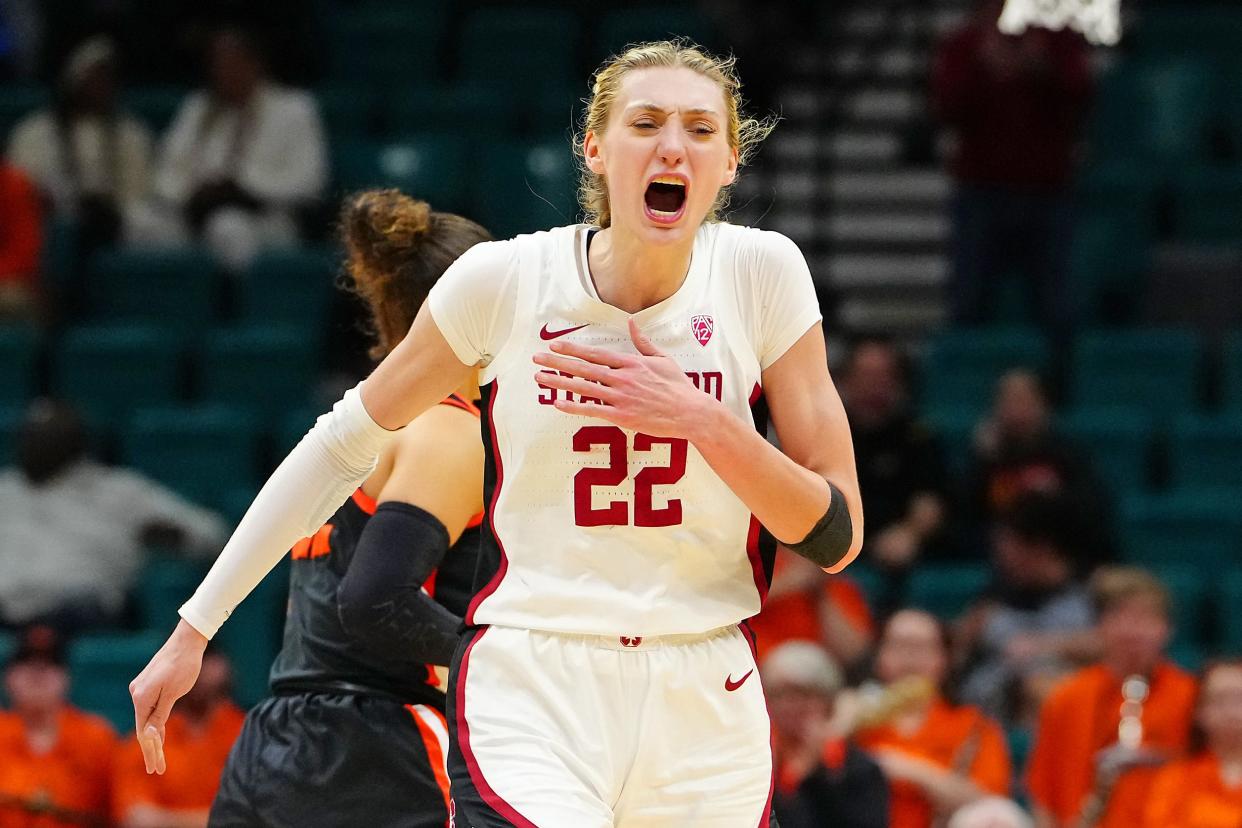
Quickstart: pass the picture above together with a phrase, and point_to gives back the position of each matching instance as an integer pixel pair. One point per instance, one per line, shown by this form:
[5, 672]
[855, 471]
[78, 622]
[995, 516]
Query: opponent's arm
[316, 477]
[435, 487]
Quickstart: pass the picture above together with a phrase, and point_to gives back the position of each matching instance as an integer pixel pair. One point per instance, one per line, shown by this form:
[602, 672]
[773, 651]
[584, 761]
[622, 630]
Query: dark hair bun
[383, 228]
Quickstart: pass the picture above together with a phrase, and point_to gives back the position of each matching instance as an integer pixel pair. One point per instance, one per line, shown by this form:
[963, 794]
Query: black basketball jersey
[318, 652]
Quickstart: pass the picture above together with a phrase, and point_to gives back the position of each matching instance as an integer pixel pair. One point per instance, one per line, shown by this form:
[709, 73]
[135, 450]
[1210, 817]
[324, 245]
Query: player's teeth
[664, 212]
[668, 179]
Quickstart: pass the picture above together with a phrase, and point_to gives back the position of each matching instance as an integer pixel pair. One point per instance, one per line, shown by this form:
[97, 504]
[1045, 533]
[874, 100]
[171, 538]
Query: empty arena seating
[1118, 441]
[175, 287]
[261, 369]
[1152, 370]
[19, 348]
[109, 371]
[962, 366]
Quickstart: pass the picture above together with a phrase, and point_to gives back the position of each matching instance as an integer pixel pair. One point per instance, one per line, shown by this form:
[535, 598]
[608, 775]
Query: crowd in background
[883, 713]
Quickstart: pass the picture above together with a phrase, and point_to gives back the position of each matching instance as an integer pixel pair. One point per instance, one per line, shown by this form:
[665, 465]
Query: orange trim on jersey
[435, 753]
[317, 545]
[458, 401]
[364, 501]
[477, 520]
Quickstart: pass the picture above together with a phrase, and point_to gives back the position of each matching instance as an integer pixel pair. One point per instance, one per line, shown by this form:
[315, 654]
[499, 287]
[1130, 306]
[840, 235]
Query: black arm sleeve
[381, 602]
[829, 540]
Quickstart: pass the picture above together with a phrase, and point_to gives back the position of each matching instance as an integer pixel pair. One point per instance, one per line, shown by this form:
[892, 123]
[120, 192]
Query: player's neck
[632, 275]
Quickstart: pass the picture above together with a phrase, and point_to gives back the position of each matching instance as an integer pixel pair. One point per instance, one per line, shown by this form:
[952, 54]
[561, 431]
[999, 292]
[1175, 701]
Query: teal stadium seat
[349, 112]
[521, 188]
[109, 371]
[466, 111]
[175, 287]
[1152, 370]
[961, 367]
[947, 590]
[1232, 380]
[1206, 451]
[101, 667]
[1207, 205]
[623, 27]
[1201, 528]
[19, 350]
[201, 452]
[955, 427]
[7, 645]
[1228, 617]
[16, 102]
[1188, 586]
[251, 638]
[290, 288]
[520, 49]
[155, 105]
[10, 421]
[427, 166]
[293, 427]
[1211, 31]
[164, 584]
[260, 369]
[386, 45]
[1160, 111]
[1117, 440]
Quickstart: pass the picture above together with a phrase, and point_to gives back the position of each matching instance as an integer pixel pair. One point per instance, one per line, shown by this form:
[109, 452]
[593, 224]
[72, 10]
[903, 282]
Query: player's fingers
[599, 356]
[600, 412]
[581, 387]
[575, 367]
[641, 342]
[153, 744]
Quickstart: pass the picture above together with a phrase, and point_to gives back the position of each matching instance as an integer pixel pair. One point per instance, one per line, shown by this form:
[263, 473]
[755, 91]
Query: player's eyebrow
[649, 106]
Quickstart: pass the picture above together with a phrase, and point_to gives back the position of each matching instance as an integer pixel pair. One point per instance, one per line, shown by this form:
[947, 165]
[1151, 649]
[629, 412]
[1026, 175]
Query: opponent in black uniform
[354, 733]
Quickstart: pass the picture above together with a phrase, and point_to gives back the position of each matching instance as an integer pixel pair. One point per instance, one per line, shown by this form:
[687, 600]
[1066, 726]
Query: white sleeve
[786, 303]
[313, 481]
[474, 301]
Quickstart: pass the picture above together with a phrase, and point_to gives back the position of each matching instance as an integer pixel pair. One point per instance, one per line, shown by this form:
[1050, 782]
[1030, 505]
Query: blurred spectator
[1035, 622]
[74, 529]
[198, 738]
[21, 242]
[806, 604]
[1016, 105]
[55, 760]
[993, 812]
[821, 777]
[1080, 763]
[1206, 789]
[91, 160]
[1017, 451]
[937, 756]
[240, 161]
[900, 466]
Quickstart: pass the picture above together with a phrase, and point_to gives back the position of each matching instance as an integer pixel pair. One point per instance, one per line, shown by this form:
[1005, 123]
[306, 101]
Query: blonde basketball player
[626, 367]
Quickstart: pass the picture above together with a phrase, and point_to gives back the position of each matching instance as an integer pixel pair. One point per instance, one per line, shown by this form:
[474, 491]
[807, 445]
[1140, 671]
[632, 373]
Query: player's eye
[646, 124]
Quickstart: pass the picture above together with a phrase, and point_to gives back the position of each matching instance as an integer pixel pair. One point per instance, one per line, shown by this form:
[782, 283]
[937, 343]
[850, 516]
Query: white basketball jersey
[597, 529]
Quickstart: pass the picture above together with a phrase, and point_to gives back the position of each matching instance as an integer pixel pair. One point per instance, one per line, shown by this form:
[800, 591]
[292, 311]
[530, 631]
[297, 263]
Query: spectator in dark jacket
[1016, 105]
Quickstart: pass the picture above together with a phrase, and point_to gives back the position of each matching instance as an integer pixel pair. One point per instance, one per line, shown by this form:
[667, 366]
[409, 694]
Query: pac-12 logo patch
[702, 325]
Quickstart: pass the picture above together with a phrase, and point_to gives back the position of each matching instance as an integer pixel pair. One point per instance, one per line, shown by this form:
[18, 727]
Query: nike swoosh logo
[732, 685]
[545, 334]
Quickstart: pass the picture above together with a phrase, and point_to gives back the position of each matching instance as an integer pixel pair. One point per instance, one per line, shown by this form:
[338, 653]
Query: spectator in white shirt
[241, 160]
[74, 530]
[91, 160]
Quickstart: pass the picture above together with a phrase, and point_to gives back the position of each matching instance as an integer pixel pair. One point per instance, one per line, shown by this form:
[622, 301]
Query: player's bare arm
[789, 492]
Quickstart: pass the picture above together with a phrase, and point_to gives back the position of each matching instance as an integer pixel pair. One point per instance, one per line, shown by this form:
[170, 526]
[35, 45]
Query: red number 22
[617, 512]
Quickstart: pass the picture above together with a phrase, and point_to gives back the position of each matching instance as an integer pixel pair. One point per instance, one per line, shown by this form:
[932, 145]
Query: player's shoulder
[754, 254]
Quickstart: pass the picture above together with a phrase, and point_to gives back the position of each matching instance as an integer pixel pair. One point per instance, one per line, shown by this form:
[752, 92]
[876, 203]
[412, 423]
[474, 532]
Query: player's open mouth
[665, 198]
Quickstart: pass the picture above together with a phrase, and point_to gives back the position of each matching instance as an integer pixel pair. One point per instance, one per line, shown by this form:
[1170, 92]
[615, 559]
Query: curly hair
[744, 133]
[396, 248]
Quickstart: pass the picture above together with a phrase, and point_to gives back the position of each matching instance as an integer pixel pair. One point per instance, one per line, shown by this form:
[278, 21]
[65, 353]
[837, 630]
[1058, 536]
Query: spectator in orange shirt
[55, 760]
[200, 735]
[805, 604]
[1205, 790]
[937, 756]
[1082, 716]
[21, 242]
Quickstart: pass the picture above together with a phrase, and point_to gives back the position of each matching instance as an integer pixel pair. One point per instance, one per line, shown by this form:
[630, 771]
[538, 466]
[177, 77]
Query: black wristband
[829, 540]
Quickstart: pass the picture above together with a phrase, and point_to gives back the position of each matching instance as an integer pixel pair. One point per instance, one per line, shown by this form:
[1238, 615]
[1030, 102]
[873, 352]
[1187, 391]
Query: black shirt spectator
[901, 469]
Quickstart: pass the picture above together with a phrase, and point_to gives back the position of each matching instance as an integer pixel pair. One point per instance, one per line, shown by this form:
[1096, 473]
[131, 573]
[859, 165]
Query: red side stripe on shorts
[435, 750]
[485, 790]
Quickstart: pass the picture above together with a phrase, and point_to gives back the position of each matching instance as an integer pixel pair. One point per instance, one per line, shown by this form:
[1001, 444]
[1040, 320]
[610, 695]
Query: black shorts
[327, 759]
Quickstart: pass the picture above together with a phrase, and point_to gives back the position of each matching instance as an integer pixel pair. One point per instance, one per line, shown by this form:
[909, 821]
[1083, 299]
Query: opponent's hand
[169, 676]
[646, 392]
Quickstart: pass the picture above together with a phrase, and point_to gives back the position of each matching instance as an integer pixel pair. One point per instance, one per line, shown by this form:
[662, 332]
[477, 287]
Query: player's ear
[591, 150]
[730, 168]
